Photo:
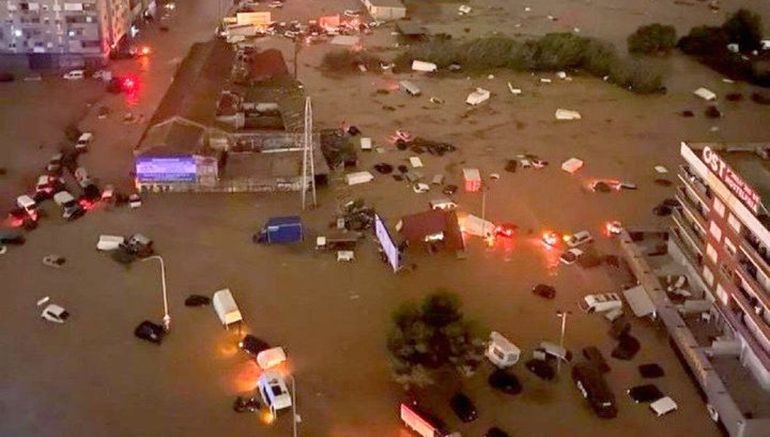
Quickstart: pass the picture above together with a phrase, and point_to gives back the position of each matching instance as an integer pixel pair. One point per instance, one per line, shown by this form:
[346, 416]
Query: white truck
[477, 226]
[600, 303]
[226, 308]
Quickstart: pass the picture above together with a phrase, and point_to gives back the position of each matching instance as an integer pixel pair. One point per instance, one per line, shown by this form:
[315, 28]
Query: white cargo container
[477, 226]
[226, 308]
[359, 177]
[427, 67]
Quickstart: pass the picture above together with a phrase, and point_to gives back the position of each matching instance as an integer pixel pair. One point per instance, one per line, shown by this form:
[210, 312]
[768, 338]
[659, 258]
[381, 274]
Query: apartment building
[724, 228]
[62, 33]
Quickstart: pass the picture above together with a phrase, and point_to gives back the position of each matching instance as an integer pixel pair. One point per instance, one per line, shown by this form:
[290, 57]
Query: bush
[652, 39]
[441, 52]
[636, 77]
[345, 61]
[704, 41]
[523, 57]
[560, 51]
[744, 28]
[486, 52]
[599, 57]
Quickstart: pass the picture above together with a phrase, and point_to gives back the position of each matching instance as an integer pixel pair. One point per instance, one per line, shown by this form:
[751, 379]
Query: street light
[563, 315]
[166, 317]
[297, 48]
[294, 416]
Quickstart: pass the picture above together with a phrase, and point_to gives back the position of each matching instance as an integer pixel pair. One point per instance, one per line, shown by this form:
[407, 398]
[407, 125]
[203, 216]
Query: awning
[639, 302]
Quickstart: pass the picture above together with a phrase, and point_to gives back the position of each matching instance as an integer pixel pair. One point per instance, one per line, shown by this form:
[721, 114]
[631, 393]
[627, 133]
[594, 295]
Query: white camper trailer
[501, 352]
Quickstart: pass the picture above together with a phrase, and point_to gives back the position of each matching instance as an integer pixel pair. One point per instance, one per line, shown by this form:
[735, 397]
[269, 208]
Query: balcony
[691, 231]
[747, 274]
[751, 248]
[693, 208]
[689, 179]
[693, 254]
[737, 316]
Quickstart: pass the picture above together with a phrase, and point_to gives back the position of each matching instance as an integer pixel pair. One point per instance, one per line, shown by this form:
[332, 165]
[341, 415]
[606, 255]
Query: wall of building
[83, 28]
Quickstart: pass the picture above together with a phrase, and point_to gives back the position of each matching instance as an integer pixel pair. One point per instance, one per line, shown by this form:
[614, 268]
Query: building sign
[259, 19]
[734, 182]
[166, 169]
[388, 246]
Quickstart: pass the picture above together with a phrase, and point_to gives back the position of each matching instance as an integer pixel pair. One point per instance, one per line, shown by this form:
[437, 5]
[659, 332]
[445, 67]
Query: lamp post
[563, 315]
[297, 48]
[294, 417]
[166, 316]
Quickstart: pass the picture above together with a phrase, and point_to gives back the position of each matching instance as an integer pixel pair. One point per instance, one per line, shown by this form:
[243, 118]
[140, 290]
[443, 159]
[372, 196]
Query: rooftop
[388, 3]
[176, 136]
[200, 78]
[409, 28]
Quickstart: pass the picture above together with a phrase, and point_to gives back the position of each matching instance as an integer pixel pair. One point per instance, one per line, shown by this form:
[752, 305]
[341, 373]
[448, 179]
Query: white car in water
[55, 314]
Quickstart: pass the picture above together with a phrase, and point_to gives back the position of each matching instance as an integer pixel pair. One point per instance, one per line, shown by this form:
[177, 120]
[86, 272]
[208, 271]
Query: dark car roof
[645, 393]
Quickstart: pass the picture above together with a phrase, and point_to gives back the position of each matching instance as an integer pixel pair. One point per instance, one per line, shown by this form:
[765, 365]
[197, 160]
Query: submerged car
[463, 407]
[542, 368]
[645, 393]
[505, 382]
[253, 345]
[507, 230]
[54, 313]
[544, 291]
[150, 332]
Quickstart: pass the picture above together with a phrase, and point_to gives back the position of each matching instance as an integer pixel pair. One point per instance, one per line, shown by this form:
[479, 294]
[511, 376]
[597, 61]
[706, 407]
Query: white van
[477, 226]
[600, 302]
[109, 242]
[359, 177]
[443, 204]
[578, 239]
[226, 308]
[409, 88]
[274, 392]
[74, 75]
[501, 352]
[27, 204]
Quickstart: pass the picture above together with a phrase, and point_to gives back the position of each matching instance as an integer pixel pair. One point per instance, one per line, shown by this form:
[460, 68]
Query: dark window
[24, 6]
[91, 44]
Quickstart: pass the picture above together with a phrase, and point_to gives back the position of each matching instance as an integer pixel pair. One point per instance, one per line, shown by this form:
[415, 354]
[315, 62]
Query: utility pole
[308, 161]
[297, 48]
[563, 315]
[166, 316]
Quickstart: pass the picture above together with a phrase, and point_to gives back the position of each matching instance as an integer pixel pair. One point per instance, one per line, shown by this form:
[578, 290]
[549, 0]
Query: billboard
[388, 246]
[165, 169]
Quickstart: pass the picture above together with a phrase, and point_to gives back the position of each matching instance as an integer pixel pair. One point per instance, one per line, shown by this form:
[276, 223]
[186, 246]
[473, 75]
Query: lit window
[734, 223]
[715, 231]
[719, 207]
[711, 253]
[708, 276]
[722, 294]
[730, 247]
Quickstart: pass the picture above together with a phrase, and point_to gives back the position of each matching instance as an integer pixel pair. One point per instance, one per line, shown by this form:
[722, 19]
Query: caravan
[501, 352]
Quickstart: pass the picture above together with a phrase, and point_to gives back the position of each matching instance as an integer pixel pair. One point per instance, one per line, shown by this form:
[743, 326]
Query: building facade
[724, 228]
[62, 33]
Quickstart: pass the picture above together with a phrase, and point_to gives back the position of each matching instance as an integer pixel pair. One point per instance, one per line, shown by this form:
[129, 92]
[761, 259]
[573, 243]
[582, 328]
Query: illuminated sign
[734, 182]
[166, 169]
[388, 246]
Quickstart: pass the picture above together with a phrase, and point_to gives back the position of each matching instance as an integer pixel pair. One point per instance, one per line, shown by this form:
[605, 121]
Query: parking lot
[90, 376]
